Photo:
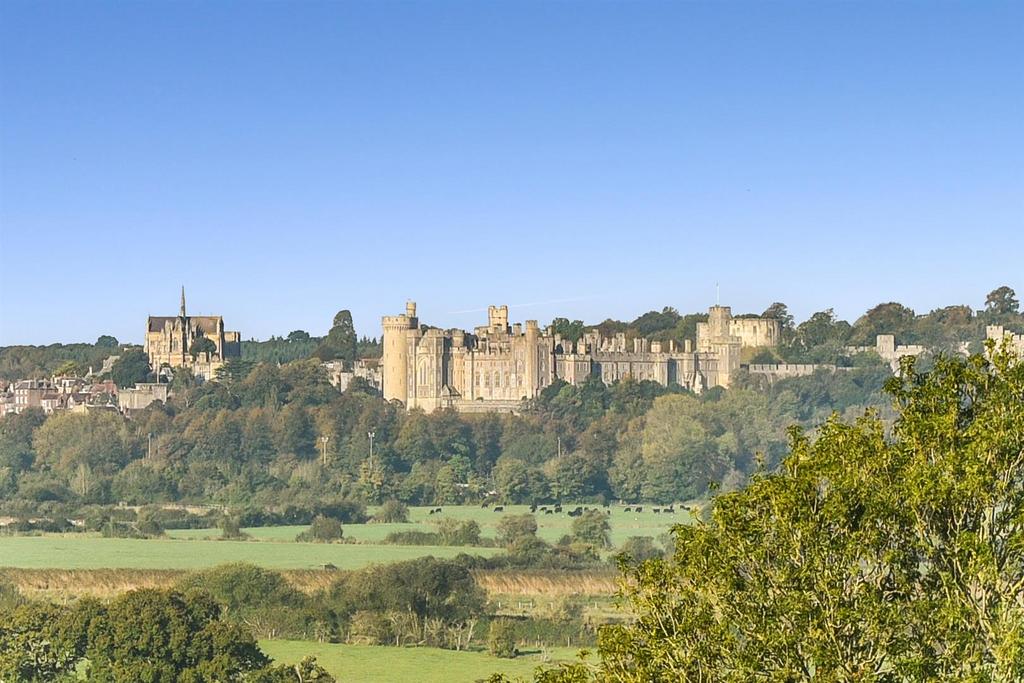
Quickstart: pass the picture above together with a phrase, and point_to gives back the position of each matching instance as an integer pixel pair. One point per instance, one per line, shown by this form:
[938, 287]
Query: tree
[391, 512]
[1002, 301]
[130, 368]
[107, 341]
[779, 311]
[201, 346]
[592, 527]
[298, 335]
[306, 671]
[501, 639]
[865, 557]
[323, 530]
[513, 527]
[889, 318]
[340, 342]
[570, 331]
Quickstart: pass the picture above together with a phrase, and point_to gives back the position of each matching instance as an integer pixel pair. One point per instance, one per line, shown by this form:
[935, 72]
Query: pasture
[276, 548]
[551, 527]
[91, 551]
[380, 664]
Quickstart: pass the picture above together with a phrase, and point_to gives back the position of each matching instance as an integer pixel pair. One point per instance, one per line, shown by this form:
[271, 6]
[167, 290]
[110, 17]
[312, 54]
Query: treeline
[279, 436]
[24, 362]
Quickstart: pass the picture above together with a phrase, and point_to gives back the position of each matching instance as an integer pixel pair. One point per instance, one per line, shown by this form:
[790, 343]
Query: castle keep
[169, 340]
[498, 366]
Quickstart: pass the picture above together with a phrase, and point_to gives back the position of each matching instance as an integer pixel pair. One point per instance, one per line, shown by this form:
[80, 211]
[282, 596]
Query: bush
[230, 529]
[592, 527]
[639, 549]
[455, 532]
[513, 527]
[501, 639]
[369, 628]
[322, 530]
[392, 511]
[413, 538]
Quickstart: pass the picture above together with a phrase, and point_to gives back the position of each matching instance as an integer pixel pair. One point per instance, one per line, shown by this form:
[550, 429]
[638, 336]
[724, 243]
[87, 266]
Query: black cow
[499, 508]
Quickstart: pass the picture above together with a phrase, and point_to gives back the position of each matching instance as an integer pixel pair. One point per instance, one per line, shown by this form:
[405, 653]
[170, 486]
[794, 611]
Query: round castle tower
[395, 360]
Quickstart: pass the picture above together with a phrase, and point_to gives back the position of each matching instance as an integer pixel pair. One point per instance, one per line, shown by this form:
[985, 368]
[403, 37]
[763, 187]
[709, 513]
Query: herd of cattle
[575, 512]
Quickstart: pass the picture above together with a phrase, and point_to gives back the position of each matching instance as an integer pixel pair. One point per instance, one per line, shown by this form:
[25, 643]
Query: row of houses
[76, 394]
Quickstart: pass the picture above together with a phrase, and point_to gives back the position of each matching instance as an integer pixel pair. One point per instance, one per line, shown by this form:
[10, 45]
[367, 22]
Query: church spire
[183, 301]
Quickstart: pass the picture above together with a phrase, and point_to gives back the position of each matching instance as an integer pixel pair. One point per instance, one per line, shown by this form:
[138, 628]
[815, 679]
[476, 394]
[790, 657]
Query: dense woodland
[273, 433]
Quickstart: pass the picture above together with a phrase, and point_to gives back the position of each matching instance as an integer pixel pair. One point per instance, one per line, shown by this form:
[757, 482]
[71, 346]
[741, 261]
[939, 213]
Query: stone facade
[498, 366]
[998, 334]
[726, 337]
[887, 348]
[169, 338]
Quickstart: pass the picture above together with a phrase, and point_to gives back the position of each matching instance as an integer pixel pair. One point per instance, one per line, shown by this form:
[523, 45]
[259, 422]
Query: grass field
[90, 551]
[373, 664]
[550, 527]
[276, 548]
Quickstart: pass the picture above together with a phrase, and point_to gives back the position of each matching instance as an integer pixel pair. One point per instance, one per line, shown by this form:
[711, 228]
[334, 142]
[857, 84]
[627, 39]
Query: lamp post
[371, 435]
[323, 449]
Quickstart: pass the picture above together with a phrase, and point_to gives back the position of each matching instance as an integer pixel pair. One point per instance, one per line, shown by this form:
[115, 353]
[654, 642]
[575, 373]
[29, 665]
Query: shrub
[639, 549]
[392, 511]
[413, 537]
[513, 527]
[322, 530]
[456, 532]
[369, 628]
[592, 527]
[501, 639]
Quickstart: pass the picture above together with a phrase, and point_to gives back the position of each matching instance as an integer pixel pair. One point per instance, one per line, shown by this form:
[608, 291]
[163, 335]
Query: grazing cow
[627, 509]
[656, 510]
[558, 508]
[533, 508]
[639, 508]
[431, 511]
[438, 510]
[549, 512]
[543, 508]
[499, 508]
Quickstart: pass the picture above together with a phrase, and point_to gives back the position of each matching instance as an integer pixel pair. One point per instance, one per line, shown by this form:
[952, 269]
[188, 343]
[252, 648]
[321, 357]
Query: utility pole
[149, 446]
[371, 435]
[559, 447]
[323, 450]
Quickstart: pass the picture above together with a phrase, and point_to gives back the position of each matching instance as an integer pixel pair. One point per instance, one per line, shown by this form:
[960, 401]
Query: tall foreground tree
[867, 557]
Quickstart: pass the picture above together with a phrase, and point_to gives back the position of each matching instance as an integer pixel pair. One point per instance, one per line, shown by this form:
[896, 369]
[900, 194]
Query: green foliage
[143, 635]
[426, 587]
[130, 368]
[514, 527]
[865, 557]
[639, 549]
[592, 527]
[21, 362]
[323, 530]
[501, 639]
[458, 531]
[201, 346]
[392, 511]
[306, 671]
[340, 342]
[1002, 301]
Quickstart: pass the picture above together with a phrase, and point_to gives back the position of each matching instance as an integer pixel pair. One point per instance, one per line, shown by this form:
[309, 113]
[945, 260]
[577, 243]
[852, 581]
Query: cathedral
[174, 341]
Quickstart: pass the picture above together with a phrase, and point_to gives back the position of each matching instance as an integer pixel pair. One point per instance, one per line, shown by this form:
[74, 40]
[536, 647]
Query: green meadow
[276, 548]
[381, 664]
[550, 527]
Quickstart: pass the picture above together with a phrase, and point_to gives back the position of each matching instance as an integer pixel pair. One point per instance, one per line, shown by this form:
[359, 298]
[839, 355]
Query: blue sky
[592, 160]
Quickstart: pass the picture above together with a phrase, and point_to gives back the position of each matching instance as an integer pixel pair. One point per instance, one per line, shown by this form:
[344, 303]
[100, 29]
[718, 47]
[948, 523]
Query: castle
[498, 366]
[169, 341]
